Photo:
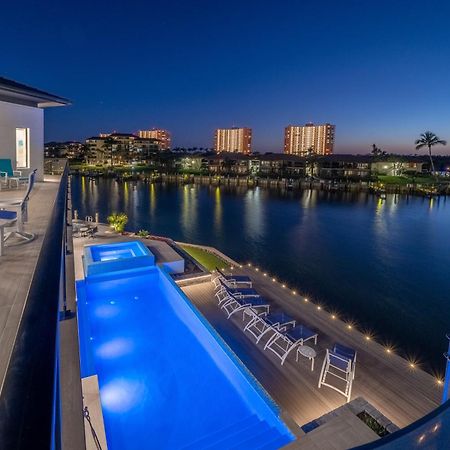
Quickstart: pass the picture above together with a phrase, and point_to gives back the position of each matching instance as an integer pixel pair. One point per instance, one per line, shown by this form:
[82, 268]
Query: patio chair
[260, 325]
[283, 343]
[231, 280]
[8, 175]
[224, 292]
[19, 208]
[340, 362]
[247, 305]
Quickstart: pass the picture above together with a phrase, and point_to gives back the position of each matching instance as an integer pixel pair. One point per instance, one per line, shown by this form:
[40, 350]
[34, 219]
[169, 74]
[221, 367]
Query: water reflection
[254, 213]
[217, 209]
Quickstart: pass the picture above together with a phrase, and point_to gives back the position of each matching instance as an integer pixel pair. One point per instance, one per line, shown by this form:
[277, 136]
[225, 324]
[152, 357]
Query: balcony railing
[30, 397]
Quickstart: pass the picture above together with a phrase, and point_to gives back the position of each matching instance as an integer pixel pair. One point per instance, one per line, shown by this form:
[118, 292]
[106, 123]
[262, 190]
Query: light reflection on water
[382, 262]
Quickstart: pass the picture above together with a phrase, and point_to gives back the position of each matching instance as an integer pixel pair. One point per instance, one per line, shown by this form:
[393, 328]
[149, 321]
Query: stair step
[230, 439]
[218, 433]
[265, 435]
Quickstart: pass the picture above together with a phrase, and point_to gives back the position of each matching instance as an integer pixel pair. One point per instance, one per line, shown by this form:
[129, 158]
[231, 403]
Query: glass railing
[30, 396]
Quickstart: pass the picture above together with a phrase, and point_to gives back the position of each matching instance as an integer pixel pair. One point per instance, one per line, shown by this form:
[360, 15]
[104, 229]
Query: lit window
[23, 148]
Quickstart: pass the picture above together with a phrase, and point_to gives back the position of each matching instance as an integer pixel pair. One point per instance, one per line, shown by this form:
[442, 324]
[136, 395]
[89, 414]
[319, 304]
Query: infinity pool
[166, 379]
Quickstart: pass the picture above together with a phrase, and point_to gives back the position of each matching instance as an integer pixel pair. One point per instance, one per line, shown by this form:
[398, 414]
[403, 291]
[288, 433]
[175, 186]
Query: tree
[429, 139]
[376, 152]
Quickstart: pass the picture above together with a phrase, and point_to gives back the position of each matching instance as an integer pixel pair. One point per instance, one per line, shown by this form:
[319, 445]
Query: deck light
[333, 316]
[388, 350]
[294, 292]
[368, 338]
[349, 327]
[319, 307]
[306, 300]
[265, 274]
[439, 382]
[249, 265]
[240, 266]
[273, 279]
[283, 285]
[412, 365]
[256, 268]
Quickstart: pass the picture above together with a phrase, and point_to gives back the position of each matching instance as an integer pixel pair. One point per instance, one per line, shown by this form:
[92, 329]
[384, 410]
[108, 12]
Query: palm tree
[428, 139]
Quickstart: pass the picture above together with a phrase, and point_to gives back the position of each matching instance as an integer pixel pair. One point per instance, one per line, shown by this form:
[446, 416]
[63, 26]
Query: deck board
[401, 393]
[18, 263]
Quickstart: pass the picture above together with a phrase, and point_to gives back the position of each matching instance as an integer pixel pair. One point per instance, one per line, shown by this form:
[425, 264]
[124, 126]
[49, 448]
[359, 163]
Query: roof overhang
[13, 92]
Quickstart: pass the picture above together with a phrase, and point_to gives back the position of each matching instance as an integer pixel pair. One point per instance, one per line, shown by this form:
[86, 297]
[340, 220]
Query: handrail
[29, 401]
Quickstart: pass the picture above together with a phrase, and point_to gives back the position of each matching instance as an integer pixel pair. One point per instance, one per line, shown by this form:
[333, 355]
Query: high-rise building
[163, 137]
[310, 138]
[235, 140]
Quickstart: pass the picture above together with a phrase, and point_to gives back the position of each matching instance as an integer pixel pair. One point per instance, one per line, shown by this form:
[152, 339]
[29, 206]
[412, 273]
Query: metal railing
[30, 414]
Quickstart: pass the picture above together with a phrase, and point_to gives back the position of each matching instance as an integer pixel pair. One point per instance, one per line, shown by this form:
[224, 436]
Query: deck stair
[250, 433]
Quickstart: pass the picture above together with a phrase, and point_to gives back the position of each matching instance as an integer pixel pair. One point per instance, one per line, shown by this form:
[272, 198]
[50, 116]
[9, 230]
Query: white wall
[14, 116]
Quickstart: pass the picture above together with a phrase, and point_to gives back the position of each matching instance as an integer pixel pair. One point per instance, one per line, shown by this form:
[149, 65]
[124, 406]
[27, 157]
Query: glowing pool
[166, 379]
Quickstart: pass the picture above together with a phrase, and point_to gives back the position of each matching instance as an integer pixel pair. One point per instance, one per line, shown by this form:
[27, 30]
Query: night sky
[379, 70]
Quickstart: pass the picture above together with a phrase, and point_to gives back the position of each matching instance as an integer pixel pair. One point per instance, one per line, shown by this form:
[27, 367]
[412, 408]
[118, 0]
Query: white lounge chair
[248, 305]
[283, 343]
[261, 325]
[225, 290]
[19, 207]
[340, 363]
[231, 280]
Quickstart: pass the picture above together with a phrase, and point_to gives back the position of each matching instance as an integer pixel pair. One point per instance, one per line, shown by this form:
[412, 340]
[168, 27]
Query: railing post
[446, 393]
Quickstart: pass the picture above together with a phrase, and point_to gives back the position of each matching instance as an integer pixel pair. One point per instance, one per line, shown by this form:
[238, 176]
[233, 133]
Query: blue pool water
[165, 378]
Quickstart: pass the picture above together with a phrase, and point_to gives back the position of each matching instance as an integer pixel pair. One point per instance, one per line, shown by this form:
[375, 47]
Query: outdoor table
[307, 352]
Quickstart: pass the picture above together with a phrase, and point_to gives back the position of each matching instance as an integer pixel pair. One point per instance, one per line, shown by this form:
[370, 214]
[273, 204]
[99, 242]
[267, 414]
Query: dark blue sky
[379, 70]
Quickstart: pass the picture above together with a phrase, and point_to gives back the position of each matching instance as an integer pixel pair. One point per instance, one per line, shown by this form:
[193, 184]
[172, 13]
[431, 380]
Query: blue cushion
[8, 215]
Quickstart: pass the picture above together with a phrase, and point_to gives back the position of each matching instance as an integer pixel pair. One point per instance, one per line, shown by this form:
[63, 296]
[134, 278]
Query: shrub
[117, 221]
[143, 233]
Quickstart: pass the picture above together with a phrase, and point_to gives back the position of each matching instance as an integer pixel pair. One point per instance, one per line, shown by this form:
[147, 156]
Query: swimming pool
[166, 379]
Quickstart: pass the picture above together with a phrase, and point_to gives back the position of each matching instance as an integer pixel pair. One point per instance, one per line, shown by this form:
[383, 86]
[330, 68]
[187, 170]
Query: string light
[367, 336]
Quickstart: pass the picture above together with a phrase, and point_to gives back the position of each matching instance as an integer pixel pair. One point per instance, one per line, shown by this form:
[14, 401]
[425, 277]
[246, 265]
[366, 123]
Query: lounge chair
[231, 280]
[340, 362]
[9, 176]
[224, 292]
[260, 325]
[282, 343]
[246, 305]
[19, 208]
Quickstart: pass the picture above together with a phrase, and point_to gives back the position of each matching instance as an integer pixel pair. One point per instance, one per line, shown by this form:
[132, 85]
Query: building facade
[22, 125]
[163, 136]
[309, 139]
[233, 140]
[120, 148]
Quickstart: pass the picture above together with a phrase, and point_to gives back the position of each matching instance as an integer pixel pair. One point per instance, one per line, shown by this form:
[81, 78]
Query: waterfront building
[22, 124]
[233, 140]
[309, 139]
[121, 148]
[163, 136]
[68, 149]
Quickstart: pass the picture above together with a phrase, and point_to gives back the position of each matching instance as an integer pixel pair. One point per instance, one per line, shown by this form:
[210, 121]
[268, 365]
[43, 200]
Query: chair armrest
[6, 204]
[17, 173]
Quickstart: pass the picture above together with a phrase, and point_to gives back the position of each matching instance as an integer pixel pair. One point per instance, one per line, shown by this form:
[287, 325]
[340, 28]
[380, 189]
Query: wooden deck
[402, 393]
[18, 263]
